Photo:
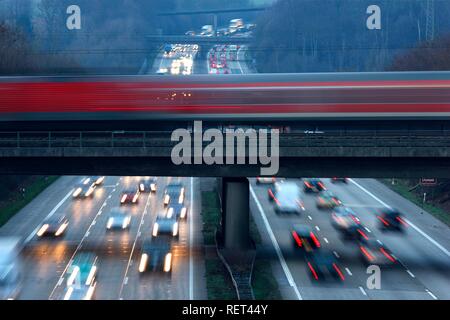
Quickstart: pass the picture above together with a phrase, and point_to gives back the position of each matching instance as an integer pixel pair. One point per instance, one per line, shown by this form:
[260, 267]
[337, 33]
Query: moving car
[130, 195]
[327, 200]
[54, 226]
[304, 239]
[323, 264]
[265, 180]
[98, 180]
[82, 272]
[10, 268]
[287, 197]
[177, 210]
[174, 192]
[84, 190]
[336, 179]
[147, 185]
[347, 222]
[313, 185]
[74, 292]
[156, 255]
[374, 252]
[391, 219]
[165, 226]
[118, 219]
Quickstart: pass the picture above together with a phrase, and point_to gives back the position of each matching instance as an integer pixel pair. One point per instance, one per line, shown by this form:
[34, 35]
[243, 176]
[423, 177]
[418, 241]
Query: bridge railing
[154, 139]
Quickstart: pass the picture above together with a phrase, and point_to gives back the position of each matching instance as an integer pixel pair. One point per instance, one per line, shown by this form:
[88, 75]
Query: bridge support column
[235, 213]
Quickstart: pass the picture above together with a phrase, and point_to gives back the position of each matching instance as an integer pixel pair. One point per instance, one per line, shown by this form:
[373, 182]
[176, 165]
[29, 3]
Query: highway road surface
[46, 260]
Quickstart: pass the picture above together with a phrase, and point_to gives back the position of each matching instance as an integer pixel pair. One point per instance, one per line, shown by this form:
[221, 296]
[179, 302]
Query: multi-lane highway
[46, 260]
[422, 251]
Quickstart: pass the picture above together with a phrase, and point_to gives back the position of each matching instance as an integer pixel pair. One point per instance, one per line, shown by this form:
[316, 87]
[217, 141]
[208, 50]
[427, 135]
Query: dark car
[130, 195]
[165, 226]
[156, 255]
[337, 179]
[54, 226]
[179, 211]
[374, 252]
[313, 185]
[304, 239]
[347, 222]
[322, 265]
[84, 190]
[391, 219]
[174, 193]
[147, 185]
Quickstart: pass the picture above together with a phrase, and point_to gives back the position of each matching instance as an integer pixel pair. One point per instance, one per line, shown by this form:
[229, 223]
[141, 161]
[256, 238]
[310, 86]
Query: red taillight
[308, 184]
[383, 221]
[297, 239]
[402, 221]
[356, 220]
[341, 275]
[321, 185]
[366, 253]
[314, 273]
[363, 234]
[387, 255]
[314, 238]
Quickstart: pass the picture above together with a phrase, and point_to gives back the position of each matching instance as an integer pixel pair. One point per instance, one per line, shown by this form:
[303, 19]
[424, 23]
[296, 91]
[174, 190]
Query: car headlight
[183, 212]
[168, 262]
[68, 293]
[126, 222]
[73, 275]
[91, 275]
[141, 187]
[143, 262]
[175, 229]
[77, 192]
[155, 229]
[181, 198]
[124, 197]
[166, 199]
[42, 230]
[169, 212]
[61, 229]
[153, 187]
[90, 292]
[135, 197]
[89, 192]
[109, 223]
[100, 180]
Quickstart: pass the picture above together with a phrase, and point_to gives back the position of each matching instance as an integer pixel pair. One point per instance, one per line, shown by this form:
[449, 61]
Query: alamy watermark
[229, 147]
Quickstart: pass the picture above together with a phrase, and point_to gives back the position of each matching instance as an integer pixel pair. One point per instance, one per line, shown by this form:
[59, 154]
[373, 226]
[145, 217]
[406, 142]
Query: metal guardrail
[151, 139]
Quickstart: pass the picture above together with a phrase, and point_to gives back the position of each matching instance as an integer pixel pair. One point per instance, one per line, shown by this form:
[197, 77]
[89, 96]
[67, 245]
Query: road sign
[428, 181]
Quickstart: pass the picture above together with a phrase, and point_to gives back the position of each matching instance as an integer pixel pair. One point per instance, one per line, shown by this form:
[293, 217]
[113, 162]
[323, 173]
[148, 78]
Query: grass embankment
[16, 200]
[403, 189]
[218, 281]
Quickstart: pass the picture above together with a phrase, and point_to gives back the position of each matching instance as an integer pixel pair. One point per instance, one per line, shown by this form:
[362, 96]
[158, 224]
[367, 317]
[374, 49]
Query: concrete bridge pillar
[235, 213]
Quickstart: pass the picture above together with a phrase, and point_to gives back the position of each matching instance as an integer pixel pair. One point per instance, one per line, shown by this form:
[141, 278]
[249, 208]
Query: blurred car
[98, 180]
[347, 222]
[156, 255]
[391, 219]
[374, 252]
[177, 210]
[323, 264]
[10, 268]
[327, 200]
[84, 190]
[190, 33]
[54, 226]
[147, 185]
[265, 180]
[174, 192]
[118, 219]
[130, 195]
[165, 226]
[303, 238]
[336, 179]
[74, 292]
[313, 185]
[82, 272]
[287, 197]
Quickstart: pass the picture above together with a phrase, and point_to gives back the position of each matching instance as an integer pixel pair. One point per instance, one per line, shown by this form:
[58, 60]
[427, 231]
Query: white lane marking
[407, 221]
[93, 223]
[363, 291]
[410, 273]
[348, 271]
[60, 281]
[431, 294]
[309, 217]
[87, 234]
[336, 254]
[283, 263]
[133, 248]
[191, 230]
[317, 228]
[379, 242]
[49, 215]
[326, 240]
[109, 197]
[125, 281]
